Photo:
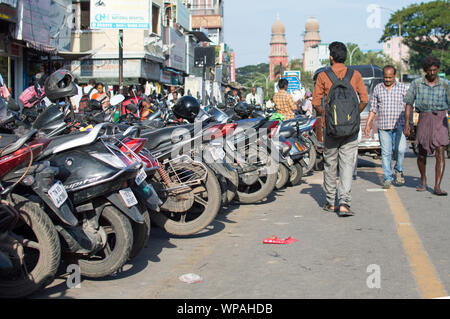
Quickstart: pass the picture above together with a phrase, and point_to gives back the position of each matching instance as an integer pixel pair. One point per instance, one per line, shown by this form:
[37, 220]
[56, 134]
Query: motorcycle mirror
[117, 99]
[13, 105]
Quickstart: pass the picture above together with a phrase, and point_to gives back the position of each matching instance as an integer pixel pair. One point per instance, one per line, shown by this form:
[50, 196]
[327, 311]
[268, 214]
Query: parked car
[372, 76]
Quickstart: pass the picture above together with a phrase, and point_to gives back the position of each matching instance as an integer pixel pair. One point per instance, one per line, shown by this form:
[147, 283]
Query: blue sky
[247, 24]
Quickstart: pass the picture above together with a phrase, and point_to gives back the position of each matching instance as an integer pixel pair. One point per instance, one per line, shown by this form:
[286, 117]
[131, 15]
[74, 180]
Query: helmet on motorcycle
[187, 108]
[95, 105]
[242, 109]
[60, 85]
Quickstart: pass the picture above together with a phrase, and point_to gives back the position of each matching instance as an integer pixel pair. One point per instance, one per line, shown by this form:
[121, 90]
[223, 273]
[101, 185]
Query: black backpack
[342, 108]
[84, 101]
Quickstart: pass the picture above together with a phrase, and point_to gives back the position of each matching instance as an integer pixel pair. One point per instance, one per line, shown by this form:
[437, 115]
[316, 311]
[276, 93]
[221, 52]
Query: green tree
[425, 29]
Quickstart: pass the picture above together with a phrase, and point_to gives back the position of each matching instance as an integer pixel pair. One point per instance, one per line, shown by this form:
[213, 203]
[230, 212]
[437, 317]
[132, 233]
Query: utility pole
[120, 60]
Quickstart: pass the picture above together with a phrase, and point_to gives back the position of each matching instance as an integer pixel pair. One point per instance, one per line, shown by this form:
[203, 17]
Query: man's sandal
[347, 213]
[329, 208]
[421, 188]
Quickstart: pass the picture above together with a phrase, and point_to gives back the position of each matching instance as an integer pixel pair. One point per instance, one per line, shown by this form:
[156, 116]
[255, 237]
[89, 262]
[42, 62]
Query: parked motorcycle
[30, 249]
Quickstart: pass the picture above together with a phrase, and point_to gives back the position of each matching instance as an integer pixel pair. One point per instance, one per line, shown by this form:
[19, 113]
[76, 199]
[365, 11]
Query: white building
[315, 56]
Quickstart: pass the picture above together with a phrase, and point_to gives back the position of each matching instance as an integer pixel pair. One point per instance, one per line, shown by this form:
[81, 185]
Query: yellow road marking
[423, 270]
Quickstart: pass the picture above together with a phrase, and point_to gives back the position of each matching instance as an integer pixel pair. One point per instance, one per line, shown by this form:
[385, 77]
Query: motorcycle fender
[303, 163]
[132, 212]
[223, 169]
[152, 202]
[64, 212]
[5, 262]
[272, 147]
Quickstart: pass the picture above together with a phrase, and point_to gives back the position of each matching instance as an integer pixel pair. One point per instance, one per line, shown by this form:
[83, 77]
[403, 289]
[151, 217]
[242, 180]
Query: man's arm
[373, 111]
[362, 92]
[409, 99]
[318, 94]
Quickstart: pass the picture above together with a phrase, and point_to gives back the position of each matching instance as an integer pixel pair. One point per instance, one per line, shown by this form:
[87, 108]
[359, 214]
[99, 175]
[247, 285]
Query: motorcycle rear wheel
[283, 177]
[296, 174]
[250, 194]
[41, 248]
[141, 233]
[205, 209]
[117, 249]
[310, 158]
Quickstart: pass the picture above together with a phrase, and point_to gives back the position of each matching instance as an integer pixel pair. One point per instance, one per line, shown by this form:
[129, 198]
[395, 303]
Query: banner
[46, 24]
[113, 14]
[183, 16]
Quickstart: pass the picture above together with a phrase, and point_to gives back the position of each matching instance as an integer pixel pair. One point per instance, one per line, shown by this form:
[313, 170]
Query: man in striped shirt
[388, 103]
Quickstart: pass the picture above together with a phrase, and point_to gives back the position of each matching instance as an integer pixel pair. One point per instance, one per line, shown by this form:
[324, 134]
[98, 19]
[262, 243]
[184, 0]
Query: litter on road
[278, 241]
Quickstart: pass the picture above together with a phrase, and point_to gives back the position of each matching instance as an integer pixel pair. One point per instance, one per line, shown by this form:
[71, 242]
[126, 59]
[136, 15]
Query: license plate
[58, 194]
[128, 197]
[217, 153]
[141, 177]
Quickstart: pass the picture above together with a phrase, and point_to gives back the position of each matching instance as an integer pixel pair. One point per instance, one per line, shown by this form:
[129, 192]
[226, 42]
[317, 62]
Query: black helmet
[242, 109]
[60, 85]
[187, 108]
[95, 105]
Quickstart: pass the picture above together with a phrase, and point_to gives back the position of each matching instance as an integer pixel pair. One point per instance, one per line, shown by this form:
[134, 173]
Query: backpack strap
[331, 75]
[349, 75]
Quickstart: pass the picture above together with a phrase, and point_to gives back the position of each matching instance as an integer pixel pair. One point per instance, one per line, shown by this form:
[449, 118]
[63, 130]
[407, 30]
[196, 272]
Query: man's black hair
[430, 61]
[338, 51]
[390, 67]
[91, 82]
[283, 84]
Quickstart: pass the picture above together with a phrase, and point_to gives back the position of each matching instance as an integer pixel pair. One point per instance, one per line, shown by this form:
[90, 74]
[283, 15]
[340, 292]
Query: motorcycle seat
[16, 143]
[59, 140]
[287, 131]
[157, 137]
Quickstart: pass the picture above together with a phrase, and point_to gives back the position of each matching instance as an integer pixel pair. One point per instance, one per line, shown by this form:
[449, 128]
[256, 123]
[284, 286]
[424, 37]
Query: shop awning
[41, 47]
[69, 55]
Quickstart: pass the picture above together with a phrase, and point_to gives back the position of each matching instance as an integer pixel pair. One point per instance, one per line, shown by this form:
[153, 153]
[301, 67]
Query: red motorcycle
[30, 249]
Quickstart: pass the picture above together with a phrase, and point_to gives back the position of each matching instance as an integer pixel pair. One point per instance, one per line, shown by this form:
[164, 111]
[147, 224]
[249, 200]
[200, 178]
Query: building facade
[314, 52]
[397, 51]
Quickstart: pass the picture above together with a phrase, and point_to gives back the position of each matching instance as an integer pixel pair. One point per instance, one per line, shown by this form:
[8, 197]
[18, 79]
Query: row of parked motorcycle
[85, 188]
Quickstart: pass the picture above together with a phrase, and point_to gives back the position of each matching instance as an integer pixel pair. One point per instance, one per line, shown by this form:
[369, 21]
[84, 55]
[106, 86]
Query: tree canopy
[425, 29]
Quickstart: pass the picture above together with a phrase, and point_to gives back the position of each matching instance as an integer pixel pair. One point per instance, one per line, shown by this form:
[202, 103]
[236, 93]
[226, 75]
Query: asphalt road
[397, 246]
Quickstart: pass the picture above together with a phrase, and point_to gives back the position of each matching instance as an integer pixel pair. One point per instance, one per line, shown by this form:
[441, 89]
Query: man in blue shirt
[431, 96]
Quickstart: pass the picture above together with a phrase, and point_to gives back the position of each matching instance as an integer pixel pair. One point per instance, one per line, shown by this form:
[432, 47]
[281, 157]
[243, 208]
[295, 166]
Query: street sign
[113, 14]
[293, 73]
[294, 84]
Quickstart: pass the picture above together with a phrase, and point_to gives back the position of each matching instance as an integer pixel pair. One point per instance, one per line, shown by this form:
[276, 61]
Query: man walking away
[284, 103]
[431, 96]
[346, 99]
[388, 103]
